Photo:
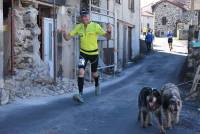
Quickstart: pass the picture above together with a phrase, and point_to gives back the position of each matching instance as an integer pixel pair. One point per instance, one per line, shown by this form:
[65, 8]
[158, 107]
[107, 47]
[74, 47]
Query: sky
[146, 2]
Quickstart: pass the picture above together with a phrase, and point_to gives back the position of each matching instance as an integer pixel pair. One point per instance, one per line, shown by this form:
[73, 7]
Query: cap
[84, 12]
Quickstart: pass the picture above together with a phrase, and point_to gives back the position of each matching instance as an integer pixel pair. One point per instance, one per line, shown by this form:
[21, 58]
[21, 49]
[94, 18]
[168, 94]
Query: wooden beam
[38, 2]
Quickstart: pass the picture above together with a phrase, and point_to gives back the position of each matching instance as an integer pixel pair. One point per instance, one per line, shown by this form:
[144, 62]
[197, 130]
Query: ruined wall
[27, 45]
[28, 66]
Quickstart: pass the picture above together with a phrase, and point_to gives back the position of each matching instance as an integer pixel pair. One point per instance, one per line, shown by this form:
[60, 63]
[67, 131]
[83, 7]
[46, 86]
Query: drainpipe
[12, 41]
[1, 49]
[54, 41]
[115, 38]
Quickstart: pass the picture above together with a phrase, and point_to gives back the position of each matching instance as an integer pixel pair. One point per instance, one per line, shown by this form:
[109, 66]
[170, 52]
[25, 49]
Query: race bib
[81, 62]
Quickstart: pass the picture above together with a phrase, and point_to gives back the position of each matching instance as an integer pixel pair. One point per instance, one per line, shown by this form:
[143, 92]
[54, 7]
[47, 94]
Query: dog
[171, 104]
[149, 101]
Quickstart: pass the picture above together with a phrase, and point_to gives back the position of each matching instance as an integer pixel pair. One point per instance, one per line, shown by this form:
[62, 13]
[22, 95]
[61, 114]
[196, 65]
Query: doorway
[129, 43]
[48, 40]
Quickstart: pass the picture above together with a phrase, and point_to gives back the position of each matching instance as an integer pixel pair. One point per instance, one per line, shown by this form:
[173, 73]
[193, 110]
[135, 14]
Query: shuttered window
[131, 5]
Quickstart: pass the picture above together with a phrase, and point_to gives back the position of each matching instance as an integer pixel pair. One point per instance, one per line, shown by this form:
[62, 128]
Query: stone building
[167, 15]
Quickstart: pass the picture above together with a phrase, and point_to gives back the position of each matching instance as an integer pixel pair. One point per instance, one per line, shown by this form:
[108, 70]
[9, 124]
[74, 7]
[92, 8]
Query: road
[114, 112]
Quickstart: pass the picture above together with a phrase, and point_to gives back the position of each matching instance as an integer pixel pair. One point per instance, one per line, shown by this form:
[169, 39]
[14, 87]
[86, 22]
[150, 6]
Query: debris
[4, 96]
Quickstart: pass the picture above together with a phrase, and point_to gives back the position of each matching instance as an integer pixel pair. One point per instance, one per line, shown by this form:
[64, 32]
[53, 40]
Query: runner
[88, 32]
[170, 40]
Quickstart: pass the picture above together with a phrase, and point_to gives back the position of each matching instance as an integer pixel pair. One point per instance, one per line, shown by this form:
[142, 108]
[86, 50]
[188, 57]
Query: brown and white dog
[171, 104]
[149, 101]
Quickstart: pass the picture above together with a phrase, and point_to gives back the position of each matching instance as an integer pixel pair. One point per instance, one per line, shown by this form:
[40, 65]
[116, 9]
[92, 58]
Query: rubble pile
[28, 88]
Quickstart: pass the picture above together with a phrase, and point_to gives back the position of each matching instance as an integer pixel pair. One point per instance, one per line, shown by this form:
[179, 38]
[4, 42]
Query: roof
[174, 2]
[145, 13]
[147, 8]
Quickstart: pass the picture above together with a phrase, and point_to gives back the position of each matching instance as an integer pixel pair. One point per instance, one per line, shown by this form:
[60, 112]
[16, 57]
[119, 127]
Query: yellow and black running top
[88, 37]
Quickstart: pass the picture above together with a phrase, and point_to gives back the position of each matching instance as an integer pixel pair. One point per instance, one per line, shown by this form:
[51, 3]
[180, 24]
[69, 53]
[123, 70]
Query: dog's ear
[179, 102]
[156, 93]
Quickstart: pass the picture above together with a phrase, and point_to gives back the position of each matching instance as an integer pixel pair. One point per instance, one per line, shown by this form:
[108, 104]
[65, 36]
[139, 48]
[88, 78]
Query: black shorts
[170, 40]
[84, 58]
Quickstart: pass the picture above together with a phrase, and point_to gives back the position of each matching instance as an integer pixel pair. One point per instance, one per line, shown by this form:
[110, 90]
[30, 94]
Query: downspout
[12, 36]
[115, 38]
[54, 41]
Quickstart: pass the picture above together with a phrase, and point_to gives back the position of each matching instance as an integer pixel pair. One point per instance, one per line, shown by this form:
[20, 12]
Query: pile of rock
[28, 88]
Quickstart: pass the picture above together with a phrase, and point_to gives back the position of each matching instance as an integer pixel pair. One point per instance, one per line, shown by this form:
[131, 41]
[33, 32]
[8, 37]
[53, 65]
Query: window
[164, 20]
[118, 1]
[131, 5]
[96, 3]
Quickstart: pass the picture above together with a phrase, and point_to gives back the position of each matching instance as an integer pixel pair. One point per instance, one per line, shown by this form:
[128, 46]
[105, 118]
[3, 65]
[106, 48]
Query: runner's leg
[82, 64]
[94, 60]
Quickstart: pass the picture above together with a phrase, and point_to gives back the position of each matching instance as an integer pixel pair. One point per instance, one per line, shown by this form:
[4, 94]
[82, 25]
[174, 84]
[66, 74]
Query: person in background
[148, 40]
[170, 39]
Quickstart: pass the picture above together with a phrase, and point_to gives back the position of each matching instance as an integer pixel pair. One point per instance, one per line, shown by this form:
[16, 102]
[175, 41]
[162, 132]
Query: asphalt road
[114, 112]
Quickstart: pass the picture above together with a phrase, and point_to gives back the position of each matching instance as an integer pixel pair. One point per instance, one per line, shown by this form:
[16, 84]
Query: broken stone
[36, 31]
[4, 96]
[30, 17]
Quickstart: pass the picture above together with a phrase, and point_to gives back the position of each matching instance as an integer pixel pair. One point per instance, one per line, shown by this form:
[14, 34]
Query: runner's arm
[108, 35]
[68, 36]
[109, 32]
[104, 33]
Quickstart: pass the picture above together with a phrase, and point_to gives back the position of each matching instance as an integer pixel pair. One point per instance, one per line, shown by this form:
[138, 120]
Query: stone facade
[172, 14]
